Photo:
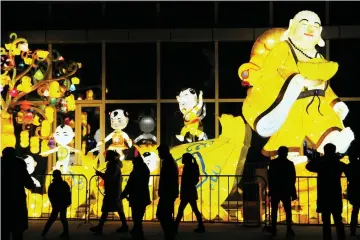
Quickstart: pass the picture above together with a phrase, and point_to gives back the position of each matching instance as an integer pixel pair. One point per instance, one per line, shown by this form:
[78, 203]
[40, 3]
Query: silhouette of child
[60, 199]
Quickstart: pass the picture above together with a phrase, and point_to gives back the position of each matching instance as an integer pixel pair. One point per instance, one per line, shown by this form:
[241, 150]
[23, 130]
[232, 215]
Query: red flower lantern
[25, 105]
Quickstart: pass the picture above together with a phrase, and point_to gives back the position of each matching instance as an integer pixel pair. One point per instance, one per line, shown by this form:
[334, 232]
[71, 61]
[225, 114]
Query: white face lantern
[151, 160]
[64, 135]
[30, 164]
[119, 119]
[187, 99]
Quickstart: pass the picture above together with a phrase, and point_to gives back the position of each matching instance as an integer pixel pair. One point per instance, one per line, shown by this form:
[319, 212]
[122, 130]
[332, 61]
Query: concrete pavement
[153, 232]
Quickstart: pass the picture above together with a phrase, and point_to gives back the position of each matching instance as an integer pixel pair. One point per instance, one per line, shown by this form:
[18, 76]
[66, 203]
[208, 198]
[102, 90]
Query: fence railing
[221, 198]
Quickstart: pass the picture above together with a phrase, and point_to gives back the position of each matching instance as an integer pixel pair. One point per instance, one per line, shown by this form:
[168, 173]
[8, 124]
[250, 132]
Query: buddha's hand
[341, 110]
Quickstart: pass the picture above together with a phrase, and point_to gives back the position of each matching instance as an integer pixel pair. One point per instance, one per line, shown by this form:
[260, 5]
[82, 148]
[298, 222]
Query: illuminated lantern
[63, 136]
[52, 143]
[14, 92]
[72, 88]
[119, 121]
[25, 105]
[193, 110]
[290, 99]
[39, 75]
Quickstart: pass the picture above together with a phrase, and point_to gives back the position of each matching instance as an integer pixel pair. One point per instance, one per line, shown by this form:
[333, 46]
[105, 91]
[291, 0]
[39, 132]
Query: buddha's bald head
[305, 29]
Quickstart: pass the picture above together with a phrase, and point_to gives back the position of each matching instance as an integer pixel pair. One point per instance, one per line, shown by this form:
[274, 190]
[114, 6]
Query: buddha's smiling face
[305, 29]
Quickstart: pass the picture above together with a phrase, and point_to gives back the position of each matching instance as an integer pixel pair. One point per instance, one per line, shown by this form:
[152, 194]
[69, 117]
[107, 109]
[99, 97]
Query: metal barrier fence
[224, 199]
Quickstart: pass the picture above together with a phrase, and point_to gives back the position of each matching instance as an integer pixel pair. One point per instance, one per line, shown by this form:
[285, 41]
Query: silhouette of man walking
[138, 194]
[329, 193]
[112, 184]
[188, 192]
[168, 191]
[282, 178]
[60, 199]
[353, 189]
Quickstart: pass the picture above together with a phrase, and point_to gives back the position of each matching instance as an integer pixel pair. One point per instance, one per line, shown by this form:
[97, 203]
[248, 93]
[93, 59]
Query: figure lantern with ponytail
[120, 140]
[194, 111]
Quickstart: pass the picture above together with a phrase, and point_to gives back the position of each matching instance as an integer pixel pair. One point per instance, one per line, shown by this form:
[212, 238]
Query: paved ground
[153, 232]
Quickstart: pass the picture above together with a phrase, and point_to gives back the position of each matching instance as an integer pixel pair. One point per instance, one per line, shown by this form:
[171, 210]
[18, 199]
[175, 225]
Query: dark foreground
[153, 232]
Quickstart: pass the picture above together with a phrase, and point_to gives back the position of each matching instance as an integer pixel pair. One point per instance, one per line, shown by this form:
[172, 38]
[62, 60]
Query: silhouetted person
[353, 190]
[282, 178]
[168, 191]
[188, 192]
[60, 198]
[329, 193]
[112, 184]
[14, 177]
[138, 194]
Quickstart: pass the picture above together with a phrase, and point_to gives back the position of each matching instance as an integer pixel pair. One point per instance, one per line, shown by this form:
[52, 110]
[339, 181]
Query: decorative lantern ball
[53, 101]
[25, 105]
[46, 93]
[67, 121]
[51, 143]
[28, 117]
[14, 92]
[147, 124]
[72, 88]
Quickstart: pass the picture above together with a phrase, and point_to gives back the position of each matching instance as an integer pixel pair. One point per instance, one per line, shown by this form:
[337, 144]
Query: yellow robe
[310, 118]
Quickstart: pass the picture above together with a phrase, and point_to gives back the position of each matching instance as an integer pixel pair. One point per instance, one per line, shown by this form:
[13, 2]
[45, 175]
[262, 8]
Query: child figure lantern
[147, 126]
[63, 137]
[194, 111]
[119, 120]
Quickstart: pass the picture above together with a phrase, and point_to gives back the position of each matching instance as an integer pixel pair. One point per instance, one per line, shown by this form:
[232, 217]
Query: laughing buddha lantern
[63, 137]
[194, 111]
[119, 120]
[290, 100]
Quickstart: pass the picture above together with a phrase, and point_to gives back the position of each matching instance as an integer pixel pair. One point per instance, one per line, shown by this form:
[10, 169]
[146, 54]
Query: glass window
[187, 65]
[16, 15]
[345, 52]
[243, 14]
[284, 11]
[353, 118]
[89, 55]
[130, 15]
[136, 126]
[187, 14]
[131, 71]
[231, 56]
[172, 123]
[76, 15]
[344, 12]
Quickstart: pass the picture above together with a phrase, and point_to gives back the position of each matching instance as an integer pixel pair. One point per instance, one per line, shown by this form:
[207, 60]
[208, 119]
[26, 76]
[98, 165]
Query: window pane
[187, 14]
[16, 15]
[133, 128]
[344, 12]
[243, 14]
[172, 123]
[130, 15]
[257, 142]
[353, 118]
[76, 15]
[345, 52]
[131, 71]
[187, 65]
[231, 56]
[284, 11]
[89, 55]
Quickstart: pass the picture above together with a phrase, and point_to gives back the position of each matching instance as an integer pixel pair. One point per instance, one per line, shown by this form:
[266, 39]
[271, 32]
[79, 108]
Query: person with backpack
[60, 199]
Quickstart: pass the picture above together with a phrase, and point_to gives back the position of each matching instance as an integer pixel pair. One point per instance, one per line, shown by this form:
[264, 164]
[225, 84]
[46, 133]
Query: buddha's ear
[285, 36]
[321, 42]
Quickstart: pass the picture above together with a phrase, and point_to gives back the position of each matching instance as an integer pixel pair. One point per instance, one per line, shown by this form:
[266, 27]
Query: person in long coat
[168, 191]
[188, 192]
[138, 194]
[282, 179]
[329, 192]
[112, 184]
[14, 177]
[353, 190]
